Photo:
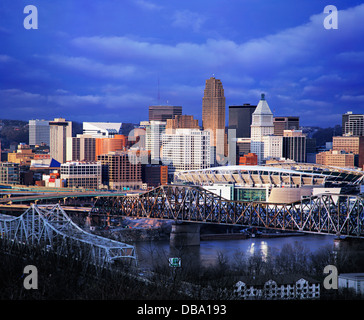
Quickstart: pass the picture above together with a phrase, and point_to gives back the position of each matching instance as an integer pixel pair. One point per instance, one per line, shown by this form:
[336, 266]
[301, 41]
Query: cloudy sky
[104, 60]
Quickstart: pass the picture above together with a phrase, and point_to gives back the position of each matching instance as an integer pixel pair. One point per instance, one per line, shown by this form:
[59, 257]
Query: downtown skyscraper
[262, 125]
[213, 112]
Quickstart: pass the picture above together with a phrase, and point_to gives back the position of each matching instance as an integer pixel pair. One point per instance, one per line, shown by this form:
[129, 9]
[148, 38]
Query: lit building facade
[285, 123]
[81, 148]
[213, 113]
[336, 158]
[38, 132]
[277, 287]
[60, 129]
[121, 169]
[294, 145]
[102, 129]
[273, 146]
[353, 124]
[262, 125]
[186, 149]
[350, 144]
[153, 138]
[82, 174]
[9, 173]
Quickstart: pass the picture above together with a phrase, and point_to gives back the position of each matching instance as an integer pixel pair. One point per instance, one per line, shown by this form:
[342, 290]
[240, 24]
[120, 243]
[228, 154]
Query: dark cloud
[305, 69]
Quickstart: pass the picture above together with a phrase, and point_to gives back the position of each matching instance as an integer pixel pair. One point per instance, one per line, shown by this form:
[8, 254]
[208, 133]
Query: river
[206, 254]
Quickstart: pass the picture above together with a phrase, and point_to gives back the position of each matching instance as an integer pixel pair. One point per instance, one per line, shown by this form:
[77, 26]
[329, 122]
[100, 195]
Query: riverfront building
[278, 287]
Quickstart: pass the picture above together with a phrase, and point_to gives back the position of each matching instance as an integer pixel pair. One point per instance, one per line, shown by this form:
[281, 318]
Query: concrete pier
[185, 234]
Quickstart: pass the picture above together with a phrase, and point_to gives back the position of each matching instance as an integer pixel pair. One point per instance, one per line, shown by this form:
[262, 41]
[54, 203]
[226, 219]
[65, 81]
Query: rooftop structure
[251, 176]
[102, 129]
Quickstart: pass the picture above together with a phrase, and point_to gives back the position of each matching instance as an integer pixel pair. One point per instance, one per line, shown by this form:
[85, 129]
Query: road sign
[175, 262]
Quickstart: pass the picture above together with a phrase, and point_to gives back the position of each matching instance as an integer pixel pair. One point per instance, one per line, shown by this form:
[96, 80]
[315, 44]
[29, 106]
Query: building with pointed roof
[262, 125]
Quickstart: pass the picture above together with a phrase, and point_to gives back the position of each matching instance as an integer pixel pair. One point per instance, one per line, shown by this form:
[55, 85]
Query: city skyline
[110, 61]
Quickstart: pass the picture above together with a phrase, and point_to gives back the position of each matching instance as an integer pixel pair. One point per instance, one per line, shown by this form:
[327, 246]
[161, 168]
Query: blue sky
[102, 60]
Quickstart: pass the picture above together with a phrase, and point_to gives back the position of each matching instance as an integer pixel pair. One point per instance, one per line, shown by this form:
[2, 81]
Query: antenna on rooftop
[158, 96]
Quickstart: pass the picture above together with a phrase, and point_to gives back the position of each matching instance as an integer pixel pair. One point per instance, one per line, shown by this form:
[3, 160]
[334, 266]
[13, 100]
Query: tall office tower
[38, 132]
[213, 112]
[353, 124]
[162, 113]
[60, 129]
[285, 123]
[181, 122]
[153, 137]
[294, 145]
[262, 125]
[102, 129]
[186, 149]
[240, 119]
[81, 148]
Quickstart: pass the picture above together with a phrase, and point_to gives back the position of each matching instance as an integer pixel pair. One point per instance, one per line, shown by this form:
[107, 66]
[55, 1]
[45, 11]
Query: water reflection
[153, 252]
[264, 250]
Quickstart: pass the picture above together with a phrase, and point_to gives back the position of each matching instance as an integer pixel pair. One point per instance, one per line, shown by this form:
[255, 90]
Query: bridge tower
[185, 234]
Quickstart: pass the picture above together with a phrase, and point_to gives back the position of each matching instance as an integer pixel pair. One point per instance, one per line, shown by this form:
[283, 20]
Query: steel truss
[54, 230]
[323, 214]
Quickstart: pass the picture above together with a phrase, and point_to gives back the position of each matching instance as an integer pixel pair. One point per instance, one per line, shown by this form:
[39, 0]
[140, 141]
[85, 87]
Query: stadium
[278, 183]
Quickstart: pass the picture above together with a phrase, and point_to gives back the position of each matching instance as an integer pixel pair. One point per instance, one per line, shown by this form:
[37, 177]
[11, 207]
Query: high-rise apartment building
[213, 112]
[294, 145]
[285, 123]
[102, 129]
[262, 125]
[240, 119]
[186, 149]
[162, 113]
[353, 124]
[60, 129]
[38, 132]
[81, 148]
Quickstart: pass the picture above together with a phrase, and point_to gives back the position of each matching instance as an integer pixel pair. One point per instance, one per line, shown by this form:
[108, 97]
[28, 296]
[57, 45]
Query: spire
[262, 96]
